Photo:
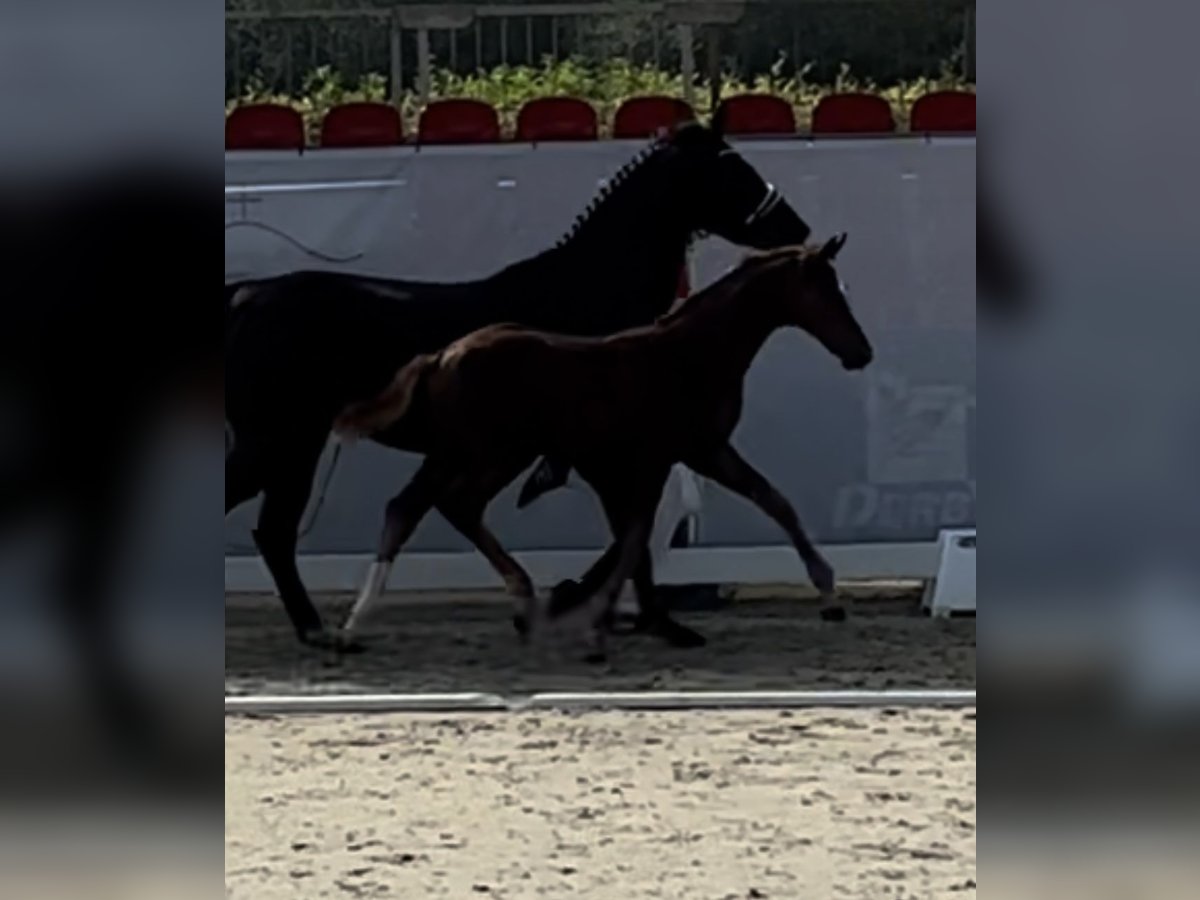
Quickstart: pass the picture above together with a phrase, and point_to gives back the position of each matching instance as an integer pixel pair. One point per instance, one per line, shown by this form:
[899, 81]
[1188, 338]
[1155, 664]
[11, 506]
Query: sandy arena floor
[697, 806]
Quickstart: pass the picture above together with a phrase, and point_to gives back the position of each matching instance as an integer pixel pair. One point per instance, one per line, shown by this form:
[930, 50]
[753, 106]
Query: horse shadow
[466, 643]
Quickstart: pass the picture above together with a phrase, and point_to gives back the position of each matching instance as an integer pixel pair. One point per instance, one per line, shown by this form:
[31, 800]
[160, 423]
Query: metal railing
[405, 42]
[641, 701]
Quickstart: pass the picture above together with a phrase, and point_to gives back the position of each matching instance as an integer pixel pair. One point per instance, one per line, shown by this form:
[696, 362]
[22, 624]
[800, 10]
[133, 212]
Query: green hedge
[604, 85]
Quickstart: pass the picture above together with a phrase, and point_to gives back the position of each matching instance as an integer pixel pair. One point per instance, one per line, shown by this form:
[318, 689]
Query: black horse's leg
[90, 509]
[550, 475]
[286, 490]
[241, 480]
[570, 594]
[727, 468]
[654, 617]
[22, 489]
[95, 532]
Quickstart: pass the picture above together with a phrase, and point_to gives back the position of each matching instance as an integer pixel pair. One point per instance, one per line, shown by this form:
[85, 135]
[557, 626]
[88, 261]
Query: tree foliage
[886, 41]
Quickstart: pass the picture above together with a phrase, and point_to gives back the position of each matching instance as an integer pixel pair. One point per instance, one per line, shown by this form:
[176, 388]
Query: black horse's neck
[619, 264]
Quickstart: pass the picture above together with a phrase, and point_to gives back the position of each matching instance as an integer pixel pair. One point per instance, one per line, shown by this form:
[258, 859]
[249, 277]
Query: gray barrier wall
[880, 456]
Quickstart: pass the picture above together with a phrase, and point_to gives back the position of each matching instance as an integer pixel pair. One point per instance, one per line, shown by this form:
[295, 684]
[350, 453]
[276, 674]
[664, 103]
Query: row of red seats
[267, 126]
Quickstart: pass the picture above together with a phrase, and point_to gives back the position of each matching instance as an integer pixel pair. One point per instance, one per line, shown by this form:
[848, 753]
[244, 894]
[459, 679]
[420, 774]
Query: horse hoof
[834, 614]
[521, 625]
[822, 576]
[340, 643]
[622, 625]
[346, 645]
[683, 638]
[318, 638]
[564, 597]
[672, 633]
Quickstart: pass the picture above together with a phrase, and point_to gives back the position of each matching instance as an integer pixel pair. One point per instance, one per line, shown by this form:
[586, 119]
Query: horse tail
[237, 294]
[233, 302]
[368, 417]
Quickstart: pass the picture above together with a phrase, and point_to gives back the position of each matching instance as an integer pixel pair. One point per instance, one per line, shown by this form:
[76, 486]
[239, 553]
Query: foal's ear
[833, 246]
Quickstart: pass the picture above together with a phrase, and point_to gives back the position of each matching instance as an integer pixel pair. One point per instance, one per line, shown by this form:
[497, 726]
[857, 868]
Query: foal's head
[812, 297]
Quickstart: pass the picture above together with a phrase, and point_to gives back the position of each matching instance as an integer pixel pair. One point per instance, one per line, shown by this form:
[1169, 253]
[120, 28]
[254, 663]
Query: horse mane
[752, 261]
[653, 150]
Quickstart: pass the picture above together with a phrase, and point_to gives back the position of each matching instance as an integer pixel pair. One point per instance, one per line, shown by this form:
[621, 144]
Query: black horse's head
[686, 183]
[689, 182]
[726, 196]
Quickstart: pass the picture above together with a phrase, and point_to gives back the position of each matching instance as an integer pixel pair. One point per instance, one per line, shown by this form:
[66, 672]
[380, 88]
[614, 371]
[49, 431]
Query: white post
[396, 55]
[424, 66]
[687, 66]
[969, 41]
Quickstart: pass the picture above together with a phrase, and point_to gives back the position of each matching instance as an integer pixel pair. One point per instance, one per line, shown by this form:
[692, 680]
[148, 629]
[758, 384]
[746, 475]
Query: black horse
[102, 346]
[300, 347]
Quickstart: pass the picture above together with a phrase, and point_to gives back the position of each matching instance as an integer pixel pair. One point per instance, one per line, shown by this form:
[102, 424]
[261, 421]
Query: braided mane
[619, 178]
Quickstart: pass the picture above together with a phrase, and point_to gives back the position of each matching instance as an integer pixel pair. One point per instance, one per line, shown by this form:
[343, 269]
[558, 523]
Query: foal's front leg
[726, 467]
[653, 617]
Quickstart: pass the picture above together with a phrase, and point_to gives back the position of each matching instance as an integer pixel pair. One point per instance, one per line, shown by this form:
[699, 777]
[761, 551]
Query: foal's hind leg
[403, 514]
[726, 467]
[463, 506]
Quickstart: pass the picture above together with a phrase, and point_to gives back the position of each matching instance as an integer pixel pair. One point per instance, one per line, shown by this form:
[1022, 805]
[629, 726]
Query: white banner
[885, 455]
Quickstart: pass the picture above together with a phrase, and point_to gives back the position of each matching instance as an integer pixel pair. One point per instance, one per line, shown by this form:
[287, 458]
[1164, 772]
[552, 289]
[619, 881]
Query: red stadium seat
[853, 114]
[756, 114]
[264, 126]
[557, 119]
[458, 122]
[944, 112]
[642, 117]
[362, 125]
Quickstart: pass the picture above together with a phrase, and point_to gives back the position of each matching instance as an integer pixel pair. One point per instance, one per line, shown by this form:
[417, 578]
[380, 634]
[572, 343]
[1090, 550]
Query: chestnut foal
[623, 409]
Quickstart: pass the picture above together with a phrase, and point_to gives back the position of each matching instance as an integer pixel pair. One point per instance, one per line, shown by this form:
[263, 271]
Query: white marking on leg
[377, 577]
